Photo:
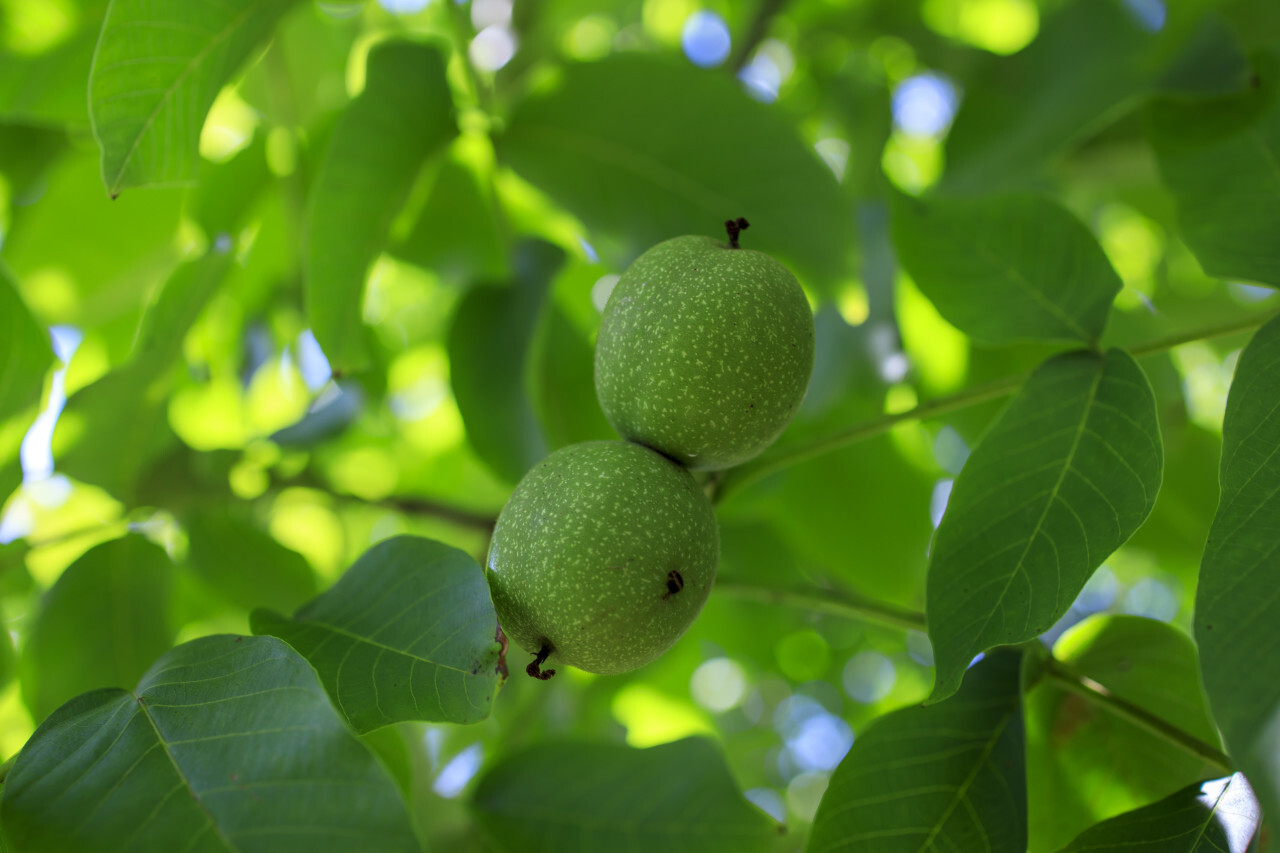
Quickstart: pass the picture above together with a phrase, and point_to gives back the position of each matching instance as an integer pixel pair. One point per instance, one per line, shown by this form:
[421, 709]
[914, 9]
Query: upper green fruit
[604, 554]
[704, 351]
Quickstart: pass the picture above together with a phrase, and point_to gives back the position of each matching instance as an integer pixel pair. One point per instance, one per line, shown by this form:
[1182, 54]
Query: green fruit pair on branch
[606, 551]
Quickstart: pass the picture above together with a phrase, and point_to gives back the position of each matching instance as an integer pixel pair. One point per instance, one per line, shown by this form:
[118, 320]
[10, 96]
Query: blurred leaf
[159, 65]
[1065, 475]
[489, 341]
[1235, 600]
[229, 191]
[644, 148]
[408, 633]
[101, 625]
[564, 391]
[27, 154]
[228, 743]
[1006, 268]
[402, 117]
[596, 796]
[1214, 817]
[946, 776]
[48, 88]
[1219, 157]
[25, 354]
[1084, 763]
[119, 423]
[248, 566]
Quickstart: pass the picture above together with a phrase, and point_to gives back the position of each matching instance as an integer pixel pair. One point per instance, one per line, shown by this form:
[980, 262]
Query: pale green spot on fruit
[605, 552]
[704, 352]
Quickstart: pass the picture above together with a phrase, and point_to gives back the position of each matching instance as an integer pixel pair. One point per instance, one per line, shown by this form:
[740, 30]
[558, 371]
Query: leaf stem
[759, 26]
[738, 478]
[848, 605]
[1099, 695]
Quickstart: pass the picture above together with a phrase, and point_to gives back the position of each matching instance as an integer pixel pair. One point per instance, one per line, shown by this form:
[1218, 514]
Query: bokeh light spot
[705, 39]
[719, 684]
[868, 677]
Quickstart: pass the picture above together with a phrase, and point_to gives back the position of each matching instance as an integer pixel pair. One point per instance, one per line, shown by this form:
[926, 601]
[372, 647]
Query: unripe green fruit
[704, 352]
[605, 552]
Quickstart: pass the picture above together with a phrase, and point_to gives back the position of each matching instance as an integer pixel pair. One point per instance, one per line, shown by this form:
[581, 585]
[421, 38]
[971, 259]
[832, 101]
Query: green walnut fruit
[705, 351]
[602, 557]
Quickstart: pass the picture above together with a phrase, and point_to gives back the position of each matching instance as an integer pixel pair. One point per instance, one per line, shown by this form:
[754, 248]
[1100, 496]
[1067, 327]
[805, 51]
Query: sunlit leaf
[246, 564]
[948, 776]
[101, 625]
[1006, 268]
[25, 353]
[489, 343]
[408, 633]
[643, 148]
[402, 117]
[156, 72]
[1084, 762]
[678, 798]
[1220, 158]
[1235, 600]
[1062, 479]
[228, 743]
[1214, 817]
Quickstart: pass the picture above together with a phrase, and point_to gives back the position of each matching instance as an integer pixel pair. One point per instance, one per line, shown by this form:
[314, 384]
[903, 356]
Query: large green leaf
[25, 353]
[228, 743]
[408, 633]
[1084, 762]
[1221, 159]
[1006, 268]
[1240, 573]
[101, 625]
[1215, 817]
[157, 69]
[489, 343]
[586, 797]
[402, 117]
[1062, 479]
[247, 565]
[643, 148]
[948, 776]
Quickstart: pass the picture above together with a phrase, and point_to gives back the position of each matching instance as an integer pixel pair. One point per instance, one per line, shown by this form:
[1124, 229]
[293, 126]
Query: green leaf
[48, 88]
[1006, 268]
[489, 343]
[1235, 600]
[1221, 159]
[1214, 817]
[388, 132]
[667, 149]
[101, 625]
[948, 776]
[1066, 474]
[228, 743]
[157, 69]
[229, 191]
[564, 391]
[1084, 762]
[248, 566]
[25, 354]
[562, 797]
[408, 633]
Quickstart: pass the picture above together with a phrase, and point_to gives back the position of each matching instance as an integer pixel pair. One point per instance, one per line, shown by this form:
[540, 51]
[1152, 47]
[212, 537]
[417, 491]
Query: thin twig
[847, 605]
[755, 33]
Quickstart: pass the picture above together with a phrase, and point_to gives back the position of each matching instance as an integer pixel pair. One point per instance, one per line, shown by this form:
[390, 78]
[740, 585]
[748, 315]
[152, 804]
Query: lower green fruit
[603, 556]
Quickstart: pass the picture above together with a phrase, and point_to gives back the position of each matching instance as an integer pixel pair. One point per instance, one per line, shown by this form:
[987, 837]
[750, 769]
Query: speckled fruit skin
[704, 352]
[583, 554]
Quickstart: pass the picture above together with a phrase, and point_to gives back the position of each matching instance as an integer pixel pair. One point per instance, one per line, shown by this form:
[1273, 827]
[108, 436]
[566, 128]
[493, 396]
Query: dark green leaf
[101, 625]
[402, 117]
[248, 566]
[1215, 817]
[564, 391]
[948, 776]
[1235, 600]
[566, 797]
[1221, 159]
[25, 353]
[229, 191]
[1006, 268]
[228, 743]
[408, 633]
[643, 148]
[489, 343]
[156, 72]
[1062, 479]
[1084, 762]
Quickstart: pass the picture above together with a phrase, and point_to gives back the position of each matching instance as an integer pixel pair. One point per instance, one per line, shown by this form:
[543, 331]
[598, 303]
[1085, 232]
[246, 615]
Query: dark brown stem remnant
[735, 227]
[534, 669]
